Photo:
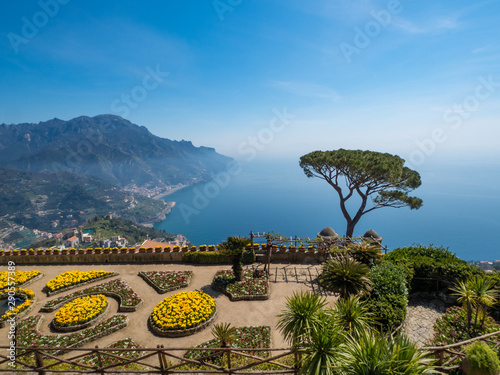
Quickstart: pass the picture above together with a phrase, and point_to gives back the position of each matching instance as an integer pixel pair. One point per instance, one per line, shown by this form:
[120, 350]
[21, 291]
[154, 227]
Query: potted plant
[149, 250]
[1, 253]
[114, 250]
[185, 248]
[167, 249]
[291, 249]
[56, 251]
[106, 250]
[211, 247]
[48, 251]
[282, 249]
[89, 250]
[193, 248]
[302, 249]
[311, 249]
[158, 249]
[256, 246]
[132, 250]
[24, 251]
[98, 250]
[7, 252]
[142, 249]
[31, 251]
[15, 252]
[274, 248]
[40, 252]
[203, 247]
[72, 250]
[123, 250]
[176, 249]
[81, 251]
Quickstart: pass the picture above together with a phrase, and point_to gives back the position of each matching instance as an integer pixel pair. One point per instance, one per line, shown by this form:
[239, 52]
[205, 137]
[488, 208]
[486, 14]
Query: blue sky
[265, 78]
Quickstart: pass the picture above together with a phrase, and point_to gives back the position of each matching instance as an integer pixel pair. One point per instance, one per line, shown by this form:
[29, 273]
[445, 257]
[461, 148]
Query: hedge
[216, 257]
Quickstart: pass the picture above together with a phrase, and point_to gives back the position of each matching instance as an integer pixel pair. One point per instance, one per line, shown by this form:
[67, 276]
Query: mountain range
[107, 147]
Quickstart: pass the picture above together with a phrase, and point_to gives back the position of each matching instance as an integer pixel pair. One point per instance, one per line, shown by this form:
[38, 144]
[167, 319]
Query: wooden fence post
[229, 361]
[99, 359]
[39, 361]
[162, 359]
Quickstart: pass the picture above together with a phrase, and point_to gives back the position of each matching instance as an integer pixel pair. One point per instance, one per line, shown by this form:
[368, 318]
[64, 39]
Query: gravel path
[420, 320]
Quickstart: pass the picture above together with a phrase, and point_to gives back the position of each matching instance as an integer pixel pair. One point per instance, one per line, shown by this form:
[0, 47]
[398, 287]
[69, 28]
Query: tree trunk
[350, 229]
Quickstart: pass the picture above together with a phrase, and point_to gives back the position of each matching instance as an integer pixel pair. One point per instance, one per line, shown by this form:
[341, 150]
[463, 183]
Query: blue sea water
[460, 211]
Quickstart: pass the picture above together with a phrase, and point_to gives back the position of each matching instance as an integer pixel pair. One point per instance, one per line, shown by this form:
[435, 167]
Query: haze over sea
[461, 208]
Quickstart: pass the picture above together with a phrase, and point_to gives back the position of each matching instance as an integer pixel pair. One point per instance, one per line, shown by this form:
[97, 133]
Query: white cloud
[307, 89]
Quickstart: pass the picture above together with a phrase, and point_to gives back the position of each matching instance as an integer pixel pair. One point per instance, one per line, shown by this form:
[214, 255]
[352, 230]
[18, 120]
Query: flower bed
[246, 337]
[183, 314]
[80, 313]
[129, 300]
[166, 281]
[72, 279]
[250, 288]
[127, 343]
[21, 278]
[23, 309]
[27, 333]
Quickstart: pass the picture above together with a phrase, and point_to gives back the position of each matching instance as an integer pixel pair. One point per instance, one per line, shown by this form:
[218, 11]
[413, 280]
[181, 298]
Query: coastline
[171, 191]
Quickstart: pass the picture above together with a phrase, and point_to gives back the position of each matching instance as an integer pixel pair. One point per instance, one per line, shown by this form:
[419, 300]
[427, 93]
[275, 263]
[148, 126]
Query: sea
[461, 208]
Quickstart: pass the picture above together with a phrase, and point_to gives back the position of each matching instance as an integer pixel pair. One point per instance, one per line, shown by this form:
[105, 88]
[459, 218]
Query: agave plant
[353, 316]
[345, 276]
[302, 317]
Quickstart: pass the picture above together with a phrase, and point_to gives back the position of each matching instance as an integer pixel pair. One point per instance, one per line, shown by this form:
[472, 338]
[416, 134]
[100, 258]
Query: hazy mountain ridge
[107, 147]
[38, 200]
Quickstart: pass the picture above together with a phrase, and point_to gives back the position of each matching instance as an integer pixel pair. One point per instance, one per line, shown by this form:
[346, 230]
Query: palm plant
[323, 351]
[374, 353]
[364, 252]
[345, 276]
[485, 295]
[302, 317]
[224, 333]
[352, 315]
[466, 297]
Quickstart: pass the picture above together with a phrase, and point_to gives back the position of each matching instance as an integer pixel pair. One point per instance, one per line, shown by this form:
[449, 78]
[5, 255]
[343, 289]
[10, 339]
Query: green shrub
[216, 257]
[431, 251]
[482, 359]
[389, 311]
[452, 327]
[388, 278]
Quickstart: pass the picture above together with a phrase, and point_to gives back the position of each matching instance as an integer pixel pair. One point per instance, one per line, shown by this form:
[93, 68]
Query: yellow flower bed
[183, 310]
[29, 296]
[70, 278]
[81, 310]
[20, 277]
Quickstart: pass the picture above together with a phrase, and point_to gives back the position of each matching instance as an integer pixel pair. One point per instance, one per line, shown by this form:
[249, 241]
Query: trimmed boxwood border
[254, 297]
[77, 327]
[71, 297]
[181, 332]
[70, 287]
[166, 290]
